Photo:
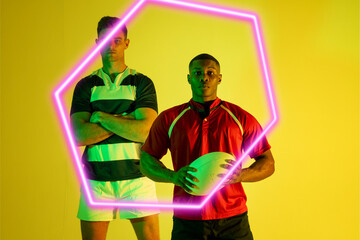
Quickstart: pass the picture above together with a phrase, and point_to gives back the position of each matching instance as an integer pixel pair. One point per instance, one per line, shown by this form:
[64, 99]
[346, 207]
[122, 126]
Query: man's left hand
[96, 117]
[235, 176]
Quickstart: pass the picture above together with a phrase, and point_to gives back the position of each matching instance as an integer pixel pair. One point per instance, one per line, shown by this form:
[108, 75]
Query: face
[204, 77]
[114, 50]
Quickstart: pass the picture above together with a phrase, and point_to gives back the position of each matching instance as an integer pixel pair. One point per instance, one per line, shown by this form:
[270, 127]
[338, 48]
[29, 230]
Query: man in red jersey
[203, 125]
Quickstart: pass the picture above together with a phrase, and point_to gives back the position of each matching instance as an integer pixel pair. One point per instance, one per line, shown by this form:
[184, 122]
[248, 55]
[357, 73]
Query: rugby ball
[208, 168]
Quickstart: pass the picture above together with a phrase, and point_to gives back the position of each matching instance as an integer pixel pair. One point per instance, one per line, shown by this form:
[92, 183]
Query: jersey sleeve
[252, 133]
[158, 140]
[145, 94]
[81, 97]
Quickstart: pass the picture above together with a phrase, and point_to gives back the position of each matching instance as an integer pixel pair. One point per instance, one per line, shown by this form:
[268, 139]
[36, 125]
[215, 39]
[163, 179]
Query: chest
[217, 132]
[115, 101]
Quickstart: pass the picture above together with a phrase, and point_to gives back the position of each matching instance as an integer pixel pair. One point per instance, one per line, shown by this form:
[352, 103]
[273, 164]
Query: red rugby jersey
[228, 128]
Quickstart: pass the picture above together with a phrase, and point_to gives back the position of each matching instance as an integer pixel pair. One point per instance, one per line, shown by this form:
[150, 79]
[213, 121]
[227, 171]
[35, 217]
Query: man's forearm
[154, 169]
[262, 168]
[85, 132]
[90, 133]
[134, 130]
[134, 127]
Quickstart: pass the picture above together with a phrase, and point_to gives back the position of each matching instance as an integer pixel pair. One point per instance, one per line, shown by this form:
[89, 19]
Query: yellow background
[313, 53]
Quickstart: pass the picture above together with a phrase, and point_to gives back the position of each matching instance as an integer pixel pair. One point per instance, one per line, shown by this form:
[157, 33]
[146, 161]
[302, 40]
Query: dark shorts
[236, 227]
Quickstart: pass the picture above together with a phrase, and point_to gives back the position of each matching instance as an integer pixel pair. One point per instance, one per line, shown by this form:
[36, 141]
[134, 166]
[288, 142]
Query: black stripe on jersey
[113, 170]
[114, 139]
[113, 106]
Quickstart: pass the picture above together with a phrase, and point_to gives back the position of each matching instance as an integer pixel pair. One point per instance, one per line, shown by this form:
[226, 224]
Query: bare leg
[94, 230]
[146, 228]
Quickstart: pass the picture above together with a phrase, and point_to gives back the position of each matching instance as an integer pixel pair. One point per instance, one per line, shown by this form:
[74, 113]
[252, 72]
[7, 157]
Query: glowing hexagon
[185, 5]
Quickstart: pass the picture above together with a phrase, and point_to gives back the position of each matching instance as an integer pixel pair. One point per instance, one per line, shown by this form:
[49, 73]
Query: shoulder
[142, 78]
[170, 114]
[235, 109]
[242, 115]
[138, 80]
[176, 110]
[90, 81]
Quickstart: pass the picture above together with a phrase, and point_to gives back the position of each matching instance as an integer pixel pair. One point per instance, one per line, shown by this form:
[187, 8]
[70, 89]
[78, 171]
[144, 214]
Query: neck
[112, 68]
[204, 99]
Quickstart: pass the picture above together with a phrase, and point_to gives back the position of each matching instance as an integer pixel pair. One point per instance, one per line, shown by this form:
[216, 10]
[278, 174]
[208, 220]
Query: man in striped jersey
[111, 114]
[206, 124]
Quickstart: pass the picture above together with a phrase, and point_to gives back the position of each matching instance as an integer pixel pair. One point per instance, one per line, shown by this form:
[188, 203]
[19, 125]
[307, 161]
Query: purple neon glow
[236, 14]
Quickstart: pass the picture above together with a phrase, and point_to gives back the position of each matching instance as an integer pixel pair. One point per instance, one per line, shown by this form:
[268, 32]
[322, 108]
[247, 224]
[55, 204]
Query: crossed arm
[92, 128]
[151, 167]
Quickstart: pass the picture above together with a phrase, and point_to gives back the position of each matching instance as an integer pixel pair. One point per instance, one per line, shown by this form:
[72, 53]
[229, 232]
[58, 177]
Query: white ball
[208, 168]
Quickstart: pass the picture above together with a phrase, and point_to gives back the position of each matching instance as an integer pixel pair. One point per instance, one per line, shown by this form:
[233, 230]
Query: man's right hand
[181, 178]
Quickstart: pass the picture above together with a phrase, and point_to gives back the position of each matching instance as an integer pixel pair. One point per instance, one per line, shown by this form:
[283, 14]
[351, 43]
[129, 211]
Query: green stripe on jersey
[114, 152]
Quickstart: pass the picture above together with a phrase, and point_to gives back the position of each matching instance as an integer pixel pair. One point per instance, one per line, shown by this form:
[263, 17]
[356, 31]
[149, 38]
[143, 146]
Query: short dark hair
[109, 22]
[204, 56]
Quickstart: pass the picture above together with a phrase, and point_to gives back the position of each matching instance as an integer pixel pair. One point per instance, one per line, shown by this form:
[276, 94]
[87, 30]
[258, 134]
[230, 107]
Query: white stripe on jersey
[123, 92]
[176, 119]
[235, 119]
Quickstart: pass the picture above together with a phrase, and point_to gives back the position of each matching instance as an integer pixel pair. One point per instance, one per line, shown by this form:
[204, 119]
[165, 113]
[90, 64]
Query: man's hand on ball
[235, 176]
[181, 178]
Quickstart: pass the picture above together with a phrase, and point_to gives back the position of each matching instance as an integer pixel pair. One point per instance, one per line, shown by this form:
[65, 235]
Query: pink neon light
[241, 15]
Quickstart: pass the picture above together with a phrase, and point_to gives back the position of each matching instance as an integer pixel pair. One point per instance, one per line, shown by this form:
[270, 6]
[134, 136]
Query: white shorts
[133, 190]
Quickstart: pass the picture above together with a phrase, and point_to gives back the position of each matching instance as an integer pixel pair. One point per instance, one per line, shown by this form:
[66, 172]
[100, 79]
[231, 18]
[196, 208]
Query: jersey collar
[118, 80]
[199, 107]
